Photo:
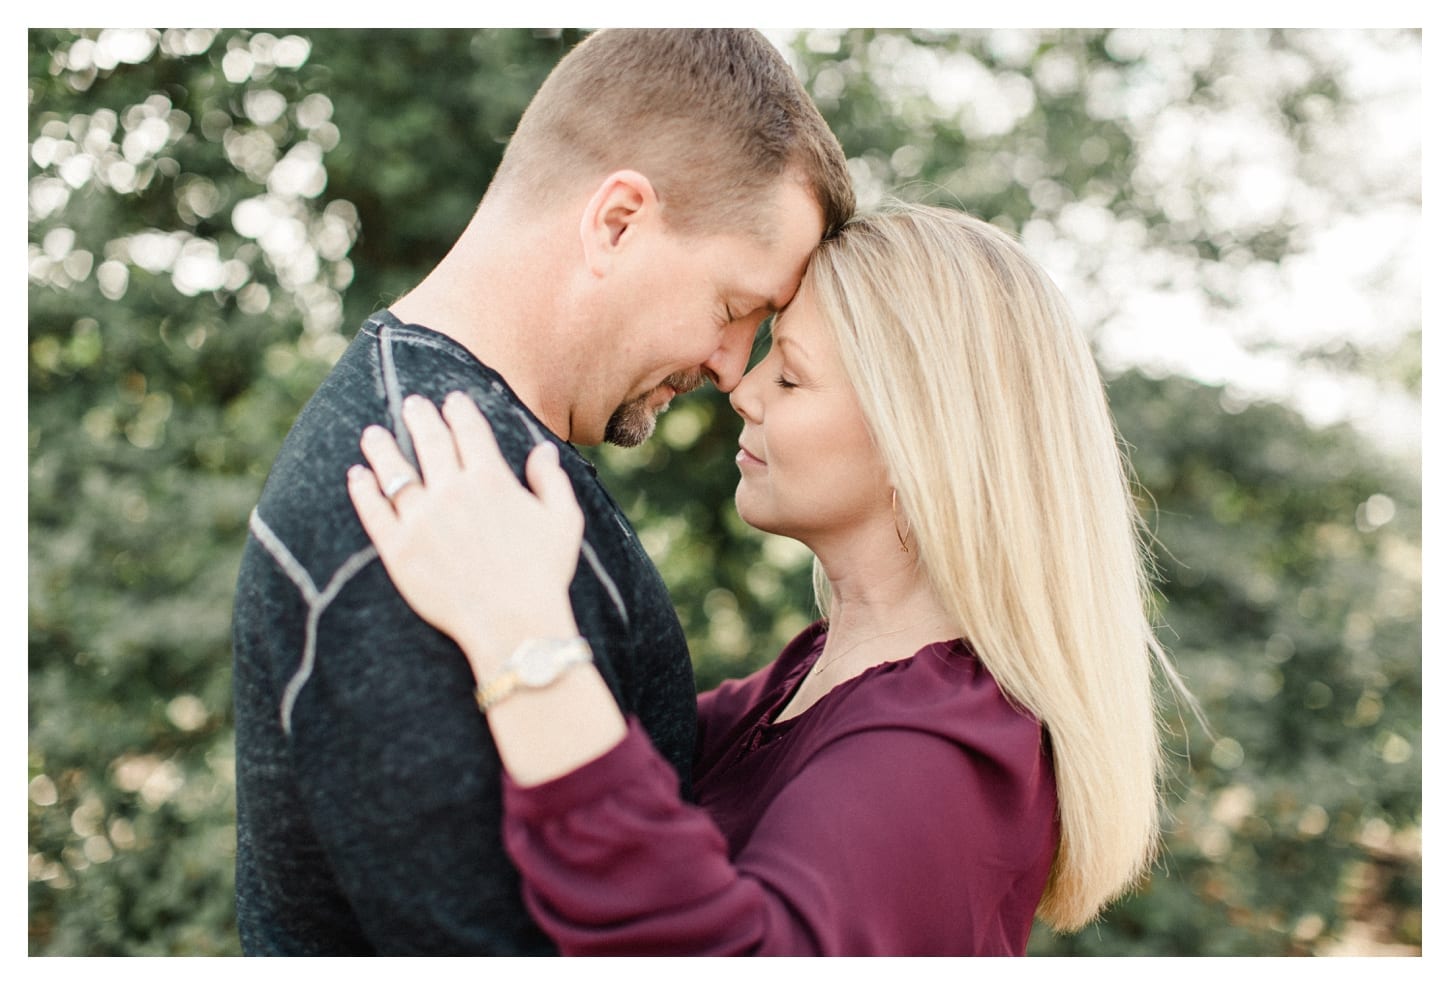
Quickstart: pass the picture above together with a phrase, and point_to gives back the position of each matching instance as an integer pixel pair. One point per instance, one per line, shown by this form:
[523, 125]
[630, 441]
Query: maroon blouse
[912, 810]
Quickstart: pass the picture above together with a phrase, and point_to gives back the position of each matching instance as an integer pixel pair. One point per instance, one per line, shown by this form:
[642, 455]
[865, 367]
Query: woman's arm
[491, 579]
[886, 842]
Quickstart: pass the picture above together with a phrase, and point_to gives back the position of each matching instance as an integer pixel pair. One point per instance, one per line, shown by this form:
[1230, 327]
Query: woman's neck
[871, 622]
[882, 608]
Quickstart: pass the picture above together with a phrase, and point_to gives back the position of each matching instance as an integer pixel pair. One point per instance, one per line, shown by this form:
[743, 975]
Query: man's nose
[726, 366]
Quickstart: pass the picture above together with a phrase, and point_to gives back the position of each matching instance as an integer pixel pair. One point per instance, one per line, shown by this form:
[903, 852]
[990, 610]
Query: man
[659, 199]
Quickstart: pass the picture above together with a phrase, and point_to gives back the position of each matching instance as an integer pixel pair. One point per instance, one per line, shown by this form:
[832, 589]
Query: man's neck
[492, 294]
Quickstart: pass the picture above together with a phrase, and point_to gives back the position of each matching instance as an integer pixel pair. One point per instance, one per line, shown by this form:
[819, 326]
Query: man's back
[367, 785]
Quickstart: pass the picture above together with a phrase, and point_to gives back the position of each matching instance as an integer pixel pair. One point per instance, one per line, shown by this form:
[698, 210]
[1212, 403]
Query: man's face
[694, 307]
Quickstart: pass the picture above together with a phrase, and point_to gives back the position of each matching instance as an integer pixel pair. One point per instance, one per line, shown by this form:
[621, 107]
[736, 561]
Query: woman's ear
[620, 207]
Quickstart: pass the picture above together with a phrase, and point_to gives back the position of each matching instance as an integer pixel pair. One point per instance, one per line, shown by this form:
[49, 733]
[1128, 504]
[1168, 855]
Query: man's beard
[634, 420]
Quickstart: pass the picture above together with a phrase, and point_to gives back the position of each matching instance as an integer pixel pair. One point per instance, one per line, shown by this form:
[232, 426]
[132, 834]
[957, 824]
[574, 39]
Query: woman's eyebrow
[802, 355]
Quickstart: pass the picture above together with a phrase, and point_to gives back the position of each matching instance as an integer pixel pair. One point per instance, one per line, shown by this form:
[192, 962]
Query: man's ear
[619, 207]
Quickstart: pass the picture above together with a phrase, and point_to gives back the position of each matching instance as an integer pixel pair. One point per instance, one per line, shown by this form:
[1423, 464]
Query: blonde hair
[714, 118]
[988, 409]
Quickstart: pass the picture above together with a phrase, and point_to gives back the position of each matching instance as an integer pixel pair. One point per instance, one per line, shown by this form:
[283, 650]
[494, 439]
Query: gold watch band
[534, 663]
[496, 690]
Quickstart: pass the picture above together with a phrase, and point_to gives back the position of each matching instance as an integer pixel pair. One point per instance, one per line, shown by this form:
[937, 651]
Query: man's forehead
[779, 303]
[784, 291]
[772, 297]
[799, 226]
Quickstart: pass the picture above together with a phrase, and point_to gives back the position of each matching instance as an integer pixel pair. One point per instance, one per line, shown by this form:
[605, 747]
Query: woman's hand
[489, 562]
[475, 553]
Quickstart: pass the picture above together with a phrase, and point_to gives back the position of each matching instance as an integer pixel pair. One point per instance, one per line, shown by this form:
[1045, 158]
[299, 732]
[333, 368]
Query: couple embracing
[466, 720]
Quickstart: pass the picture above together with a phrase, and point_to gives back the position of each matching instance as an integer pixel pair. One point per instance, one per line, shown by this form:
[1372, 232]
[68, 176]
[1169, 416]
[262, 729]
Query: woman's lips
[744, 457]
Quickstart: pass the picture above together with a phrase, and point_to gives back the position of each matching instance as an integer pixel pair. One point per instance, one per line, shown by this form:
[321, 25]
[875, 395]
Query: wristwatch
[535, 663]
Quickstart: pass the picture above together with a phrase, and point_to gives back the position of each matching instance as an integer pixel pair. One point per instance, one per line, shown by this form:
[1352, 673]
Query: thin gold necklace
[821, 665]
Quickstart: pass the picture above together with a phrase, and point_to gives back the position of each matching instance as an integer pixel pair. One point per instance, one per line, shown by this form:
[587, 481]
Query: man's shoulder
[415, 359]
[304, 501]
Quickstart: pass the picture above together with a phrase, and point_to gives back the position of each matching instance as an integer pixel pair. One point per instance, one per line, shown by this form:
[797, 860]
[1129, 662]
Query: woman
[929, 423]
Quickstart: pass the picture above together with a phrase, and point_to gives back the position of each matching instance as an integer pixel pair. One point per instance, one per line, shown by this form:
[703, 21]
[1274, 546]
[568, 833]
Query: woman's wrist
[545, 733]
[488, 648]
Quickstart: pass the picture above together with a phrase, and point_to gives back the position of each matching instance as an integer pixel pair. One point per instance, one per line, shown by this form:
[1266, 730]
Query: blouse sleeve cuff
[627, 762]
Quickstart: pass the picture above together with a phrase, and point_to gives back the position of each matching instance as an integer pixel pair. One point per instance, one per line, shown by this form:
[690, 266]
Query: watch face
[539, 662]
[536, 666]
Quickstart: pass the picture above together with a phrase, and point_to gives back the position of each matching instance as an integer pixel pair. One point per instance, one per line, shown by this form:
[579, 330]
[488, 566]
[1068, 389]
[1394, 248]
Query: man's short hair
[714, 119]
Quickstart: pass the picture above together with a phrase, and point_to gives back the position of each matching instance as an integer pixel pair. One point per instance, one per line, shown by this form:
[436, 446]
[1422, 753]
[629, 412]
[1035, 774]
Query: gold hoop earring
[896, 525]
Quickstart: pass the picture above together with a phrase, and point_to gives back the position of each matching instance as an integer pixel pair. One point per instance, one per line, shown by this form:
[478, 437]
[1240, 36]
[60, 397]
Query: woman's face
[808, 467]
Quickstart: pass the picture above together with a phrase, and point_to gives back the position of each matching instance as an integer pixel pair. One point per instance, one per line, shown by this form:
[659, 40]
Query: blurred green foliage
[212, 213]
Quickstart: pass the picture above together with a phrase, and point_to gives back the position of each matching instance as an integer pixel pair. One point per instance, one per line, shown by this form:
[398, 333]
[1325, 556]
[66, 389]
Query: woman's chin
[751, 515]
[762, 520]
